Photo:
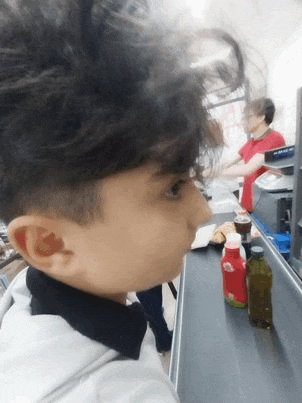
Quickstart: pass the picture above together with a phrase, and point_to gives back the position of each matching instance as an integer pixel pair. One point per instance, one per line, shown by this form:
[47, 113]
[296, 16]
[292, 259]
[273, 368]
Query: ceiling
[268, 26]
[263, 28]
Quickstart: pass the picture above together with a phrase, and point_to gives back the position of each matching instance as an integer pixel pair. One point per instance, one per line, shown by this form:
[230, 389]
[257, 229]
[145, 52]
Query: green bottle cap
[257, 251]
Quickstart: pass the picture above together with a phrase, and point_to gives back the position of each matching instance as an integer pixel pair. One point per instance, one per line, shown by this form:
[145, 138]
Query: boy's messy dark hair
[263, 106]
[92, 88]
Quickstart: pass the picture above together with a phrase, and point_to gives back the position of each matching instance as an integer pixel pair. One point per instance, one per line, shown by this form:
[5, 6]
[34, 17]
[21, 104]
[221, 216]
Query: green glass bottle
[259, 286]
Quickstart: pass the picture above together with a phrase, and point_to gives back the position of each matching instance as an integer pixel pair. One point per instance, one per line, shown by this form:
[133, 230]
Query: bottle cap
[233, 237]
[257, 251]
[232, 245]
[240, 211]
[233, 241]
[242, 219]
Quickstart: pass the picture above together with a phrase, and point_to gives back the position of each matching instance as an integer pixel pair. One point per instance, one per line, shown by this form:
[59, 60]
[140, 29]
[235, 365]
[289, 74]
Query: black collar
[115, 325]
[266, 133]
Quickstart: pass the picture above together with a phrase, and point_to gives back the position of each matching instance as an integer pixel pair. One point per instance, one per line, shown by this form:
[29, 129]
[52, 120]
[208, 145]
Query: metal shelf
[297, 194]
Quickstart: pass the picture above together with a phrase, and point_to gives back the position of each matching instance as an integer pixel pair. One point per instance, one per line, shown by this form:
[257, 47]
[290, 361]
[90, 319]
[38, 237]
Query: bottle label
[229, 296]
[227, 266]
[246, 238]
[234, 276]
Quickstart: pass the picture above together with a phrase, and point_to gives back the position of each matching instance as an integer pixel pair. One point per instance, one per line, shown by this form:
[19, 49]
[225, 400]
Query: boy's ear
[38, 241]
[261, 118]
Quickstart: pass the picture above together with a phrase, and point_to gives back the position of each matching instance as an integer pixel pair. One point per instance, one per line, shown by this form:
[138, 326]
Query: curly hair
[92, 88]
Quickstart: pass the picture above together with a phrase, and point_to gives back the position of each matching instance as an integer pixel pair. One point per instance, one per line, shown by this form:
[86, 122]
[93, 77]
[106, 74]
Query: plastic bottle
[259, 285]
[243, 225]
[234, 237]
[233, 269]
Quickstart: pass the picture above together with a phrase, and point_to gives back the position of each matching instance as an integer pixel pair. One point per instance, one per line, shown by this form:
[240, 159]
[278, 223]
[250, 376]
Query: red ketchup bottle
[233, 268]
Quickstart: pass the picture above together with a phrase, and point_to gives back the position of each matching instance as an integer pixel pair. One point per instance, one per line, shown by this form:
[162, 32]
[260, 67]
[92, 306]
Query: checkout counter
[273, 198]
[217, 355]
[273, 192]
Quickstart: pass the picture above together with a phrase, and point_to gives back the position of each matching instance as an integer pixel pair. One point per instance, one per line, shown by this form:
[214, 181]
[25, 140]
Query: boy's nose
[200, 210]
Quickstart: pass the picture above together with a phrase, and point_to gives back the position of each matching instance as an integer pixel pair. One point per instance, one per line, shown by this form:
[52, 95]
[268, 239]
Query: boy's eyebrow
[159, 176]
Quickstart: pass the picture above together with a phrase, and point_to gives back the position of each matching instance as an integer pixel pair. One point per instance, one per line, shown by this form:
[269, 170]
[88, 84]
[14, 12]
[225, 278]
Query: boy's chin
[176, 271]
[169, 276]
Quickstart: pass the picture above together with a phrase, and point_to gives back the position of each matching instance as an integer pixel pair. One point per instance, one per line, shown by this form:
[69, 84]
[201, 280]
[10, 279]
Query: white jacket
[43, 359]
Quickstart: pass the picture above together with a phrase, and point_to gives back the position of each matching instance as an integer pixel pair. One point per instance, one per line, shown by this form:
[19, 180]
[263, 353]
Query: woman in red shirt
[249, 162]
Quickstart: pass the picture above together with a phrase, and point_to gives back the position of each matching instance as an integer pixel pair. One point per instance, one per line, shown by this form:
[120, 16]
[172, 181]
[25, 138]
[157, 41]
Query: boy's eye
[175, 189]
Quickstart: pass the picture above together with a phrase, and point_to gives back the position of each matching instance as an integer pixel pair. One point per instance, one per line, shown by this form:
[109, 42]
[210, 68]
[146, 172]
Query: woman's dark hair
[91, 88]
[263, 106]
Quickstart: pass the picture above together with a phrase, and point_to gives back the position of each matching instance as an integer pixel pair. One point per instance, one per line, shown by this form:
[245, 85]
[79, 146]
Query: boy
[102, 125]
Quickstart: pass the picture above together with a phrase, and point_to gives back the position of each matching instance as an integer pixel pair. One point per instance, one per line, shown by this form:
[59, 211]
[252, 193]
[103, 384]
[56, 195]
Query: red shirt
[252, 147]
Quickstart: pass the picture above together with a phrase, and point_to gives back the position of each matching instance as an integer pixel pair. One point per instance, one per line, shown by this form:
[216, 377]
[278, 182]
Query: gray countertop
[217, 354]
